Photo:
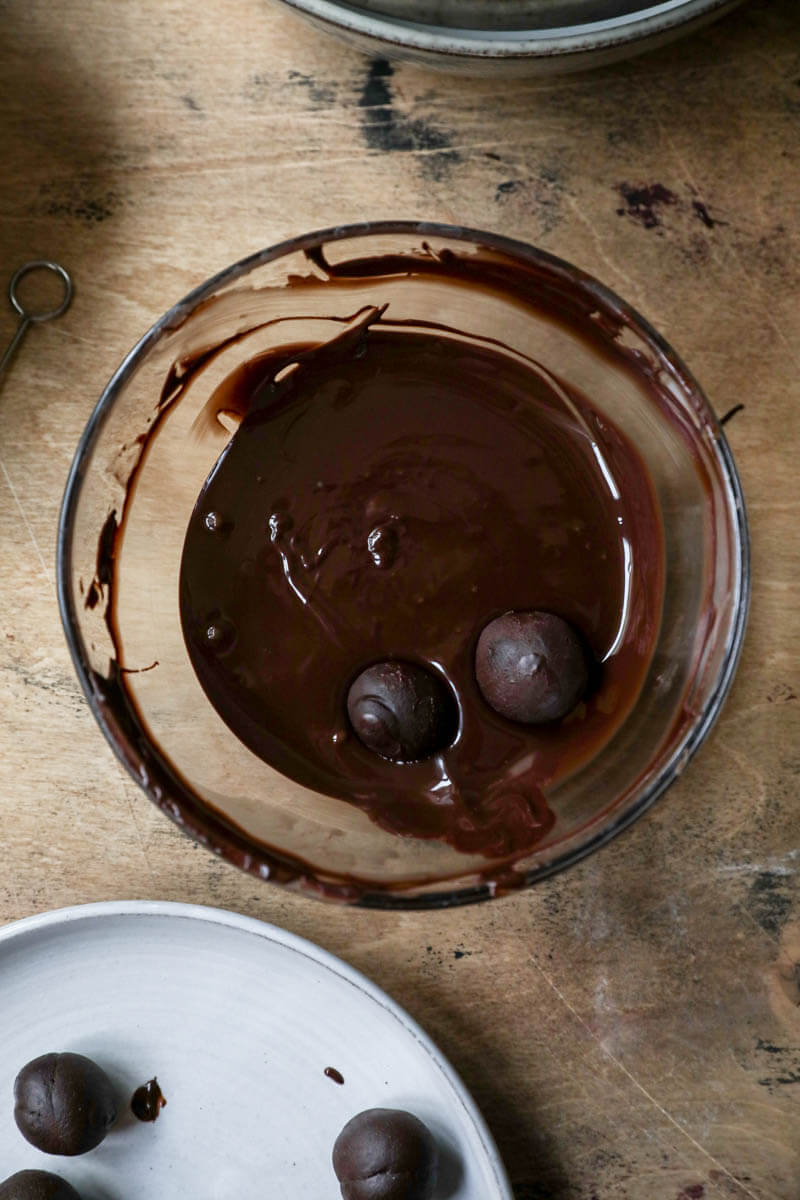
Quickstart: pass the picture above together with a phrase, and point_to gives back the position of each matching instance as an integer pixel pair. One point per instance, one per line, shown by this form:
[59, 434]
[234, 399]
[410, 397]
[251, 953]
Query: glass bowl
[129, 497]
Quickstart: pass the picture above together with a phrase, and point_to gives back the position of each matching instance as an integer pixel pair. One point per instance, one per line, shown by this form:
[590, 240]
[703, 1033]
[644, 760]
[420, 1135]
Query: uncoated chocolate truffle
[402, 711]
[385, 1154]
[531, 666]
[64, 1103]
[36, 1185]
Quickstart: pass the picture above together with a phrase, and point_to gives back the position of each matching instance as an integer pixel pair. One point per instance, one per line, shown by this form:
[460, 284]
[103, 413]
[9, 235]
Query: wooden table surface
[631, 1028]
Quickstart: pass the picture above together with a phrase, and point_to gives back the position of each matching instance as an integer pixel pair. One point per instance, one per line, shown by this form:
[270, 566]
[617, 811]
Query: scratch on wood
[25, 520]
[138, 832]
[632, 1078]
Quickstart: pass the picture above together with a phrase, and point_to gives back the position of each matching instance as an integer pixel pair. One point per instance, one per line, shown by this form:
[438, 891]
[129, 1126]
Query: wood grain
[632, 1028]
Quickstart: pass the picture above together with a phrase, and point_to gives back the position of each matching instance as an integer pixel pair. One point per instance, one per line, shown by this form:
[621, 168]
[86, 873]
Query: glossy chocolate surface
[147, 1101]
[386, 495]
[531, 667]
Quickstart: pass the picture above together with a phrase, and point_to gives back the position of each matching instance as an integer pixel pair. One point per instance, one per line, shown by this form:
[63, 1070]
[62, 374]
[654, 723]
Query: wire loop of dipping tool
[34, 316]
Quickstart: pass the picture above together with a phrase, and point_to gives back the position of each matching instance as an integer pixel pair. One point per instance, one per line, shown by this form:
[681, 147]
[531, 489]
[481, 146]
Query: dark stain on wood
[770, 1047]
[320, 95]
[701, 212]
[541, 193]
[780, 1080]
[193, 105]
[387, 131]
[507, 188]
[78, 200]
[643, 202]
[768, 903]
[782, 693]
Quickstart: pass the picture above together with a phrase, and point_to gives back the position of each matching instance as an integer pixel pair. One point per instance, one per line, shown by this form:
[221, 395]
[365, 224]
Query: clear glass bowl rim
[212, 831]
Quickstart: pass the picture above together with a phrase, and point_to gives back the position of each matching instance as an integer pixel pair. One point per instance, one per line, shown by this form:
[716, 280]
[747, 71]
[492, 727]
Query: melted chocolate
[147, 1101]
[384, 497]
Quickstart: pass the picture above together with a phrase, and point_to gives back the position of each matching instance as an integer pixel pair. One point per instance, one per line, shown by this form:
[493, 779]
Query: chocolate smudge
[737, 408]
[702, 213]
[643, 201]
[386, 130]
[147, 1101]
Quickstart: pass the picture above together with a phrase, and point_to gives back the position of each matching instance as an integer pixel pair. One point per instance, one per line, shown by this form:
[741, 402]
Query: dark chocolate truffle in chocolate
[385, 1154]
[402, 711]
[64, 1103]
[531, 666]
[36, 1185]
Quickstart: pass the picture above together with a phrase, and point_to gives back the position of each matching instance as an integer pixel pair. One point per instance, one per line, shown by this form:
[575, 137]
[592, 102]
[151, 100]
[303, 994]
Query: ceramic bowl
[512, 38]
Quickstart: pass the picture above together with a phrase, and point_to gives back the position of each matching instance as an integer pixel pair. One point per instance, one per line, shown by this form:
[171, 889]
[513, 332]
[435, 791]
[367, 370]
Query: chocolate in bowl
[171, 411]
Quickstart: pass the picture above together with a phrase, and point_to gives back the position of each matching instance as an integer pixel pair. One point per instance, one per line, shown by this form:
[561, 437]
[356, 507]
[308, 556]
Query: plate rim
[70, 916]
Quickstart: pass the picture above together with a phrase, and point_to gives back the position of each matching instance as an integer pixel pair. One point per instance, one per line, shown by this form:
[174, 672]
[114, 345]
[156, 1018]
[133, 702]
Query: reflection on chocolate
[220, 633]
[531, 666]
[401, 711]
[387, 498]
[36, 1185]
[64, 1103]
[382, 543]
[147, 1101]
[214, 523]
[386, 1154]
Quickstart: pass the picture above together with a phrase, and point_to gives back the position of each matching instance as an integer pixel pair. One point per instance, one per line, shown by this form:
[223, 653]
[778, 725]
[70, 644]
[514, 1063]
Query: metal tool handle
[33, 316]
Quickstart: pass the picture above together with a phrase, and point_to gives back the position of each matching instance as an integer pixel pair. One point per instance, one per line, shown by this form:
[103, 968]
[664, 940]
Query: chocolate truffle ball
[385, 1154]
[531, 666]
[36, 1185]
[64, 1103]
[402, 711]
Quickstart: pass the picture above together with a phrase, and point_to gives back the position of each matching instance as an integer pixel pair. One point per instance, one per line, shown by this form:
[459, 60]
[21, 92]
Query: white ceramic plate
[238, 1020]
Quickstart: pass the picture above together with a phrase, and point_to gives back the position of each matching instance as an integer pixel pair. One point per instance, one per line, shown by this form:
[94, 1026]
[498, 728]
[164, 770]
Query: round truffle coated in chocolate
[402, 711]
[64, 1103]
[531, 666]
[385, 1154]
[36, 1185]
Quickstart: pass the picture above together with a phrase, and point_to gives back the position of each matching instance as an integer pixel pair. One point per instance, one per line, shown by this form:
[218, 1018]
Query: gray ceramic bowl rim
[583, 39]
[212, 831]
